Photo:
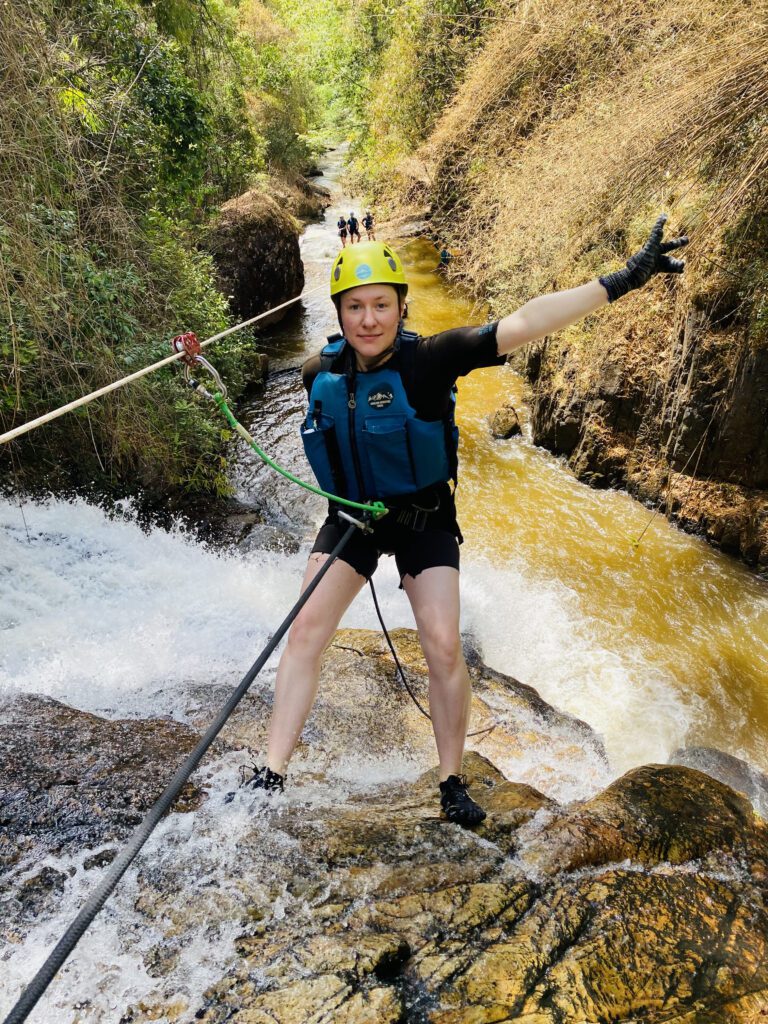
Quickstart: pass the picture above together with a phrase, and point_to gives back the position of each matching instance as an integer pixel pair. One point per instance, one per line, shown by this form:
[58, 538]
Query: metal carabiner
[190, 346]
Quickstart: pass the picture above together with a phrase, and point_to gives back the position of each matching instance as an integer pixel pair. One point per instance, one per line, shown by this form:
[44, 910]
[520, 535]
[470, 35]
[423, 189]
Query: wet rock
[675, 414]
[255, 247]
[37, 891]
[645, 901]
[640, 903]
[575, 956]
[100, 859]
[505, 422]
[263, 537]
[256, 367]
[655, 814]
[247, 531]
[732, 771]
[70, 780]
[359, 678]
[300, 196]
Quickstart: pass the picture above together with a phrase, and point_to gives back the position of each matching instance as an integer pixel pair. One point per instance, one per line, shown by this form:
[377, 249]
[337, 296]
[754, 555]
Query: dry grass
[575, 126]
[578, 123]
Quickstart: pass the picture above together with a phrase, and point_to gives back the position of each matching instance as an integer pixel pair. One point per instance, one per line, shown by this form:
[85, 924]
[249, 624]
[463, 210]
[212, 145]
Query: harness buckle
[416, 517]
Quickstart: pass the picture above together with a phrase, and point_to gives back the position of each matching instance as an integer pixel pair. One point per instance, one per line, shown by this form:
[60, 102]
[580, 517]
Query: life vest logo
[381, 397]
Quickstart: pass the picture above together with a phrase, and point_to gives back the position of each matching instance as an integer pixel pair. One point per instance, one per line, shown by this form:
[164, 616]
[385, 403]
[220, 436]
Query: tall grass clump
[574, 127]
[577, 123]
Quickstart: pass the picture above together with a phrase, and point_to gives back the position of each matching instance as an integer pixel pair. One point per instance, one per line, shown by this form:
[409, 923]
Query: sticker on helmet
[363, 272]
[380, 397]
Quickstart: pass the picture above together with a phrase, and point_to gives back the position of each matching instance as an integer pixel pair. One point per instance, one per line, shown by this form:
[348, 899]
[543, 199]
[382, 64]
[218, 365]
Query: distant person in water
[380, 426]
[369, 226]
[341, 224]
[445, 258]
[354, 228]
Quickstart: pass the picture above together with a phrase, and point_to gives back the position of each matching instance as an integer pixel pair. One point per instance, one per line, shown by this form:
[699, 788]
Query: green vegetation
[126, 124]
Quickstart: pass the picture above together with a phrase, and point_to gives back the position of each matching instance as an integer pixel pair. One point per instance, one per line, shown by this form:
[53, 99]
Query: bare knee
[442, 649]
[310, 634]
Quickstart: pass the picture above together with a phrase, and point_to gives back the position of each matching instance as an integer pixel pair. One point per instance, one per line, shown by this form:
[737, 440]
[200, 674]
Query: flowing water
[657, 646]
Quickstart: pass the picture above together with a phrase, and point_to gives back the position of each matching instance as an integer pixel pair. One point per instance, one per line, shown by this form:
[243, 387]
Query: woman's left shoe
[458, 806]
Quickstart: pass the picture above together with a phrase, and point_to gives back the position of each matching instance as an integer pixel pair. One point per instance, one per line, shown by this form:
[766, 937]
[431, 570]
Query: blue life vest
[364, 440]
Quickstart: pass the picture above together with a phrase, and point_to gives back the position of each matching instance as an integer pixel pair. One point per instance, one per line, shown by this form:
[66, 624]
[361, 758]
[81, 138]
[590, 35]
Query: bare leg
[434, 597]
[299, 669]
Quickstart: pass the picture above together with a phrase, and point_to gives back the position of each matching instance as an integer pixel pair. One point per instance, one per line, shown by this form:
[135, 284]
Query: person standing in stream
[380, 426]
[354, 228]
[341, 225]
[369, 226]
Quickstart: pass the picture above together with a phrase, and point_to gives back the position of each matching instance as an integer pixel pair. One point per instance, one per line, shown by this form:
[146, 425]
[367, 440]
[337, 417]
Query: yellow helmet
[367, 263]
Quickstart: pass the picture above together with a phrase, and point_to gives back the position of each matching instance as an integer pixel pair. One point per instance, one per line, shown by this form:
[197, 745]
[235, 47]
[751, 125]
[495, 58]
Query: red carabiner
[189, 344]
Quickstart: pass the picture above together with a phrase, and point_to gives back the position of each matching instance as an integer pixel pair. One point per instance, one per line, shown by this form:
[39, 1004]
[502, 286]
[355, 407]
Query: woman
[380, 426]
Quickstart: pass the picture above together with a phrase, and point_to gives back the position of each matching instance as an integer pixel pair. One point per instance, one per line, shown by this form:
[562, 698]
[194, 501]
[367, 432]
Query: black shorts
[414, 550]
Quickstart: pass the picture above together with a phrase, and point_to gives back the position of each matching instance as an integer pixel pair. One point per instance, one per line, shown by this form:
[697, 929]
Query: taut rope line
[33, 424]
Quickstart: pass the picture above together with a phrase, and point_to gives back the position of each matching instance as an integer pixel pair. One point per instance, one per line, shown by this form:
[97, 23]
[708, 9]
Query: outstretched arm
[549, 313]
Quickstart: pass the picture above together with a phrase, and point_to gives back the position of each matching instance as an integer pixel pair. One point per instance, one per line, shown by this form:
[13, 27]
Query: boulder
[255, 247]
[505, 422]
[734, 772]
[645, 903]
[301, 197]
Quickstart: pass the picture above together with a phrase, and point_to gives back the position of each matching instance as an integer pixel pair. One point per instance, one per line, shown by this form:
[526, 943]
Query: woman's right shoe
[262, 778]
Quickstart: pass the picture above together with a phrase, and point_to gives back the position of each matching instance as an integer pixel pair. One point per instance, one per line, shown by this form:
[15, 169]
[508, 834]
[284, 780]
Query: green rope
[377, 509]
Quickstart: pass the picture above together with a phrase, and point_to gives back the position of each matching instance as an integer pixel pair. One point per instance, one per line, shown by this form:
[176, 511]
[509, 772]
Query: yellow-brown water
[668, 615]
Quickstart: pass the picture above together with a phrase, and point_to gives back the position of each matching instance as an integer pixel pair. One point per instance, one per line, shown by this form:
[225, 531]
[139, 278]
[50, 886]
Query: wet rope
[98, 898]
[401, 672]
[85, 399]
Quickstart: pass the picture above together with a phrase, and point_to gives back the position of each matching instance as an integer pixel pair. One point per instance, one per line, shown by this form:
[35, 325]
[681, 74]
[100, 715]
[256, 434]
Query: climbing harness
[98, 898]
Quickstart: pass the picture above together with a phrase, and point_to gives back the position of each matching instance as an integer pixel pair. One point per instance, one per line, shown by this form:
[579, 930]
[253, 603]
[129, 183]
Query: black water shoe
[458, 806]
[262, 778]
[258, 778]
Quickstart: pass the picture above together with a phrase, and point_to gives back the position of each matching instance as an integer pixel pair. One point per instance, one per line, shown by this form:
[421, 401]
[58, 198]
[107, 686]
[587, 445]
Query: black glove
[651, 259]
